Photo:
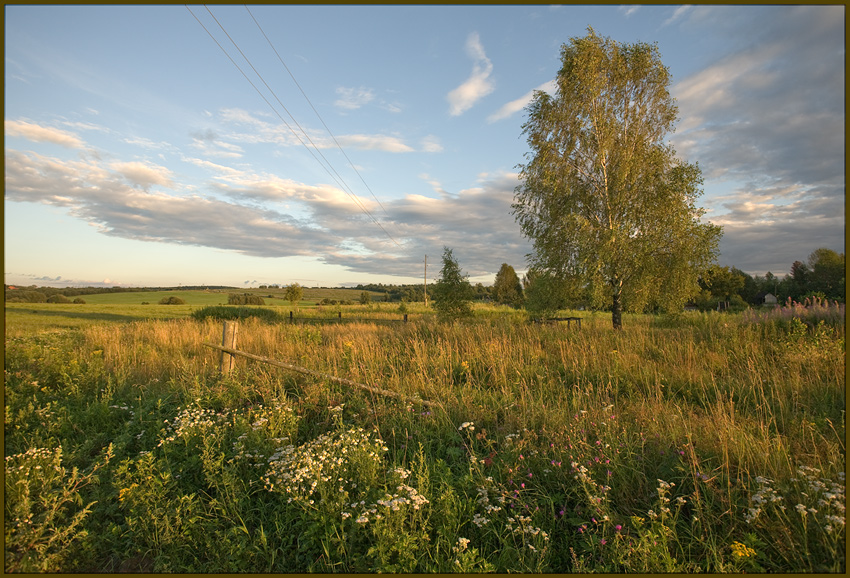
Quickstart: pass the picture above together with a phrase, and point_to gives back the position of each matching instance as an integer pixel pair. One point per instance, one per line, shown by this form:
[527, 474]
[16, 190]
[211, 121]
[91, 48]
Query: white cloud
[517, 105]
[142, 174]
[629, 9]
[768, 119]
[476, 220]
[38, 133]
[478, 85]
[384, 143]
[353, 98]
[431, 144]
[677, 14]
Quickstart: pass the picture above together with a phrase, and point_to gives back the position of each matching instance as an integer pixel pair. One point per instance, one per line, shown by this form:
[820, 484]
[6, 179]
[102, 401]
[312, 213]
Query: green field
[698, 442]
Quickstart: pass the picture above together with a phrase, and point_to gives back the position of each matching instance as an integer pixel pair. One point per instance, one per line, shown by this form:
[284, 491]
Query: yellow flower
[742, 550]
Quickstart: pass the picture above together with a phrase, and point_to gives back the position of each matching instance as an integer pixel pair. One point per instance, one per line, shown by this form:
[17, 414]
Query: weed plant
[708, 442]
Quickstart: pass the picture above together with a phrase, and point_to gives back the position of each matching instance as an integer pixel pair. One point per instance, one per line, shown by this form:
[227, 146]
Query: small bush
[26, 297]
[244, 299]
[58, 298]
[223, 312]
[171, 300]
[80, 301]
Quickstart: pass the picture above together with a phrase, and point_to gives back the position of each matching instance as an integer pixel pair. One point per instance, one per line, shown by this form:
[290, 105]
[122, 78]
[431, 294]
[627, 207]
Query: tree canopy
[294, 293]
[452, 294]
[603, 196]
[507, 288]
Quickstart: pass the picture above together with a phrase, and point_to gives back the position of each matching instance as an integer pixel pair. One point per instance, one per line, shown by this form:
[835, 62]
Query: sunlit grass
[677, 444]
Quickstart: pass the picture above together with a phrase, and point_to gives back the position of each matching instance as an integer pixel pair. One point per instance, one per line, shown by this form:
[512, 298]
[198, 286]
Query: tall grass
[706, 442]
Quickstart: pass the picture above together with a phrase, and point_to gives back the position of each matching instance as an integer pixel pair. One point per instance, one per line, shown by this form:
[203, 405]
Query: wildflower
[618, 527]
[742, 550]
[463, 543]
[603, 541]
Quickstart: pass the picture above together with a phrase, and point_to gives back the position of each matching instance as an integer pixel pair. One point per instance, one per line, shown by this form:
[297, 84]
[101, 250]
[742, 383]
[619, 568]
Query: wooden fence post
[228, 339]
[290, 316]
[405, 317]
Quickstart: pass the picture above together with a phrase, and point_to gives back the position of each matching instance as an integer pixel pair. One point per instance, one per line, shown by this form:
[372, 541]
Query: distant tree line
[541, 292]
[36, 294]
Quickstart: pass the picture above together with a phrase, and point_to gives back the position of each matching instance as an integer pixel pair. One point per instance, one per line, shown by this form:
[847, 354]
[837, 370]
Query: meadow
[709, 442]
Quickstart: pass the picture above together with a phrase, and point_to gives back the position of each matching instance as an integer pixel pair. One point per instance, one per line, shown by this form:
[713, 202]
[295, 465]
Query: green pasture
[700, 442]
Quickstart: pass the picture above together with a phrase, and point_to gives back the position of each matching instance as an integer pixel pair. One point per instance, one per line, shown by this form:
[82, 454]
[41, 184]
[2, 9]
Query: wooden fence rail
[347, 382]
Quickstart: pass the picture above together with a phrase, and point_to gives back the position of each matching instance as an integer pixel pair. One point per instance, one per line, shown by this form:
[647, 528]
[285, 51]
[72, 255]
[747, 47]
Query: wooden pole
[228, 339]
[425, 281]
[320, 375]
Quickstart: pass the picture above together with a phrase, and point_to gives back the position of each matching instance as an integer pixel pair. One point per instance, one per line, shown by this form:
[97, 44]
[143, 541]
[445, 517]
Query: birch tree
[603, 196]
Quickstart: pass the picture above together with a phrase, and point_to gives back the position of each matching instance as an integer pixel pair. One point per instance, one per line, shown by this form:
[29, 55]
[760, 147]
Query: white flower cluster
[24, 463]
[407, 496]
[467, 424]
[828, 495]
[297, 471]
[484, 500]
[522, 525]
[125, 408]
[192, 422]
[663, 500]
[268, 423]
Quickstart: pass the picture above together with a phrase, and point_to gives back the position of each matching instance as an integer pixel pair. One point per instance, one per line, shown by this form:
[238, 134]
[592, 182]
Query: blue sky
[138, 154]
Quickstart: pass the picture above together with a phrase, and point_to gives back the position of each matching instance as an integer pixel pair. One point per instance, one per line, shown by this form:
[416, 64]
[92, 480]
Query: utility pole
[425, 281]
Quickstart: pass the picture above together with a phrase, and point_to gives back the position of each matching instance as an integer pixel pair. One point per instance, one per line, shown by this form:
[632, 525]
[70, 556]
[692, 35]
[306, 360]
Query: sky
[167, 145]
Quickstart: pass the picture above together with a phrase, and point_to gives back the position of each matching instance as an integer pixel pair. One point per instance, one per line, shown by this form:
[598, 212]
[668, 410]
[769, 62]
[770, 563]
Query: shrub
[452, 292]
[80, 301]
[171, 300]
[226, 313]
[26, 297]
[58, 298]
[294, 293]
[244, 299]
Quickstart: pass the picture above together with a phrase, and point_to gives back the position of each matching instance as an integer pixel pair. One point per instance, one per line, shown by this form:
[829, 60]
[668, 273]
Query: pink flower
[618, 527]
[603, 541]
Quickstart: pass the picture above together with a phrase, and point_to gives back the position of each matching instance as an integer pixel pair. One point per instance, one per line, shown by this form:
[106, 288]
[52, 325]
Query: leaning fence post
[228, 339]
[405, 317]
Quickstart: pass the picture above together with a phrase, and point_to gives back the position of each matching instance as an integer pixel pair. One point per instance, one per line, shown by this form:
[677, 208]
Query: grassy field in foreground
[700, 442]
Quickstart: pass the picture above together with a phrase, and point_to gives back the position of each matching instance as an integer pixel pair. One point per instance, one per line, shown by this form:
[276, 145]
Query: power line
[304, 132]
[344, 187]
[314, 110]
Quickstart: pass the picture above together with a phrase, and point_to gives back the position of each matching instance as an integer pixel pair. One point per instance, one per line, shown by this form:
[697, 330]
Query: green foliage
[44, 512]
[452, 294]
[245, 299]
[80, 301]
[294, 293]
[707, 442]
[58, 298]
[544, 294]
[507, 289]
[365, 298]
[26, 297]
[172, 300]
[827, 273]
[603, 197]
[224, 312]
